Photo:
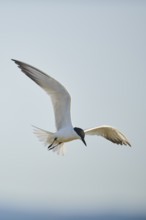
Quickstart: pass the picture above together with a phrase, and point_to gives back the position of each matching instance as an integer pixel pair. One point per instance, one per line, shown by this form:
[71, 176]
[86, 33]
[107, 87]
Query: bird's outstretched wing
[60, 97]
[110, 133]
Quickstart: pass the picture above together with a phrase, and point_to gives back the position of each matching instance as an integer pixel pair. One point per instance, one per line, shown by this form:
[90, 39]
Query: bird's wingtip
[129, 144]
[14, 60]
[17, 62]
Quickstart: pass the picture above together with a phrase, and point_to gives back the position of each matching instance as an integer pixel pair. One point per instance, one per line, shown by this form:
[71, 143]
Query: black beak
[84, 141]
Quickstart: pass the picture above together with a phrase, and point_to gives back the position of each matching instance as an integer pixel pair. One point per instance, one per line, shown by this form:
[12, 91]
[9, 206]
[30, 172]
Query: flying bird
[61, 102]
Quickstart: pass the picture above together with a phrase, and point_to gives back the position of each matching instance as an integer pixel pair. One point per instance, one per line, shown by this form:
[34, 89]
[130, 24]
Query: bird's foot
[50, 147]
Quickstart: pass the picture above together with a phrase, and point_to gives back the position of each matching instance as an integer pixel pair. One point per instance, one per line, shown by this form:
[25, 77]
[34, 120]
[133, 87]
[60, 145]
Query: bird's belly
[66, 138]
[66, 135]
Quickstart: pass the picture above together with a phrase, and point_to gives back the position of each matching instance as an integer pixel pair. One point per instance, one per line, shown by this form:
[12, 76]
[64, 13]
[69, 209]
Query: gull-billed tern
[61, 101]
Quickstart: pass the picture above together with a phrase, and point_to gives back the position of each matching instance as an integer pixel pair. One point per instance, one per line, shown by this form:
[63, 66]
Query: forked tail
[47, 138]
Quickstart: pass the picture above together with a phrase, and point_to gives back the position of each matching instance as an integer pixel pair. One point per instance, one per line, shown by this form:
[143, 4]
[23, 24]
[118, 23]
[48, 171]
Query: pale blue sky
[97, 50]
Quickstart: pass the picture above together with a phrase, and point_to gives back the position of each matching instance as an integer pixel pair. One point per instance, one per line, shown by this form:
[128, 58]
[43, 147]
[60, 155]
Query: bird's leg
[50, 146]
[58, 144]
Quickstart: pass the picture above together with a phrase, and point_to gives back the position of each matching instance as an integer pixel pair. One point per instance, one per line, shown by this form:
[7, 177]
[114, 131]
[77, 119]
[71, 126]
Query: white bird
[61, 101]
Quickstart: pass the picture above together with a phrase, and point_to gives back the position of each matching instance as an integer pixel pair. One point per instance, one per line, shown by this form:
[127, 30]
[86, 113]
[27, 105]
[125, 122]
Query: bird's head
[80, 132]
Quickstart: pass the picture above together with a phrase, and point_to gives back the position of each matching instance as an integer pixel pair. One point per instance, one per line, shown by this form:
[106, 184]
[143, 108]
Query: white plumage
[61, 101]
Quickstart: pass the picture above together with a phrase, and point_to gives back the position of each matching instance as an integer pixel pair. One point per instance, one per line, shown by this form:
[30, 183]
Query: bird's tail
[47, 138]
[44, 136]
